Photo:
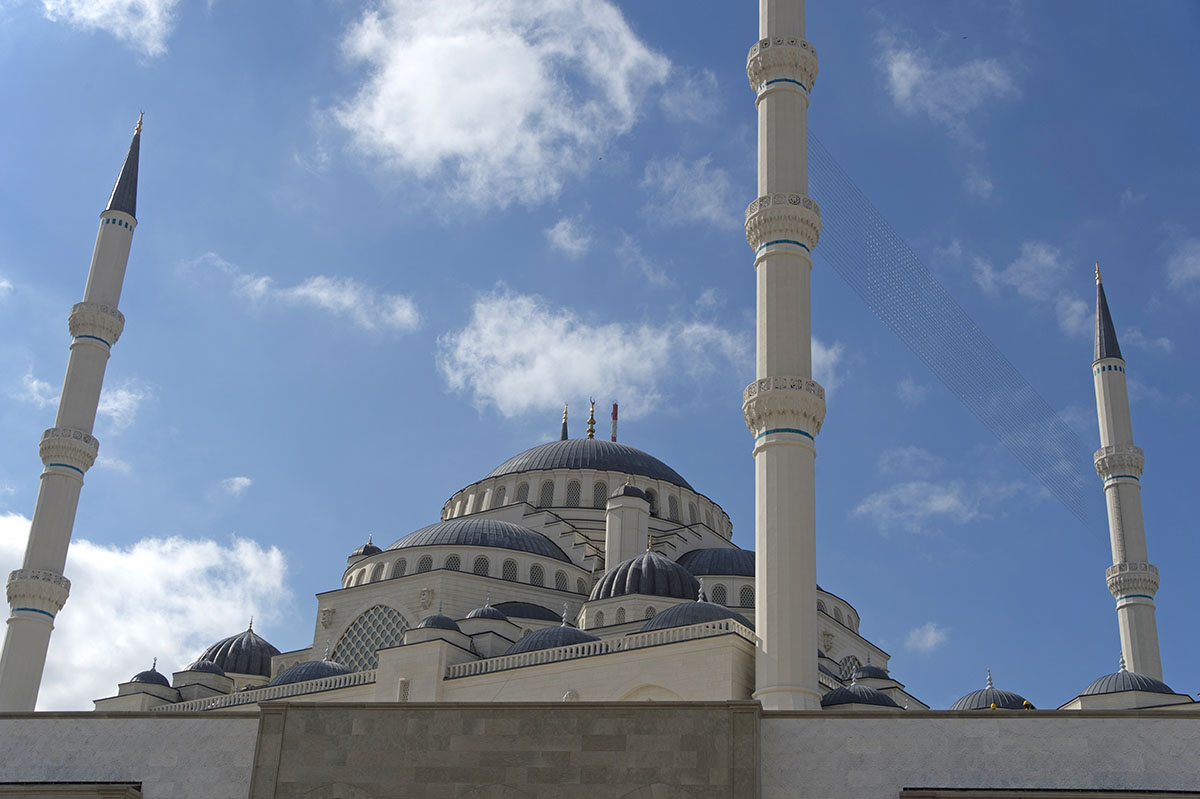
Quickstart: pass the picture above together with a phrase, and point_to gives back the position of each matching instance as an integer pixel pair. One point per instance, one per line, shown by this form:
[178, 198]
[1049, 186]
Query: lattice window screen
[573, 492]
[560, 581]
[536, 575]
[509, 571]
[523, 492]
[379, 627]
[746, 596]
[425, 564]
[481, 566]
[453, 563]
[719, 595]
[599, 494]
[546, 496]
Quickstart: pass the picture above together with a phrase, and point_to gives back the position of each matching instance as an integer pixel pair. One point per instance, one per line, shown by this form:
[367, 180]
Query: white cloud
[113, 464]
[1139, 339]
[946, 94]
[552, 82]
[1129, 199]
[926, 638]
[1038, 274]
[236, 485]
[339, 296]
[567, 237]
[910, 392]
[916, 506]
[631, 256]
[1183, 267]
[120, 404]
[35, 392]
[141, 24]
[710, 298]
[977, 183]
[910, 461]
[519, 354]
[6, 287]
[168, 598]
[826, 360]
[692, 96]
[1074, 315]
[683, 192]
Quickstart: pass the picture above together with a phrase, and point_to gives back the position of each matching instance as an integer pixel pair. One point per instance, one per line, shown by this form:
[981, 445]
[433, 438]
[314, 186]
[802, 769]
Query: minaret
[1132, 579]
[784, 407]
[38, 590]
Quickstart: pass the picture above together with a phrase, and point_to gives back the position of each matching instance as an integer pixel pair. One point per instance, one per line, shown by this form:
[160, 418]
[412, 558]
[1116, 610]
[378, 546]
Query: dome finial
[700, 592]
[1122, 661]
[440, 608]
[1097, 271]
[565, 611]
[326, 655]
[650, 543]
[592, 419]
[138, 129]
[370, 538]
[563, 437]
[250, 626]
[153, 663]
[989, 682]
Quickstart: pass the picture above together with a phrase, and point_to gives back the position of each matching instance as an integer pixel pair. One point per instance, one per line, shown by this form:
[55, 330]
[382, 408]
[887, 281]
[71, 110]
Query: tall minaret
[784, 407]
[1132, 580]
[38, 590]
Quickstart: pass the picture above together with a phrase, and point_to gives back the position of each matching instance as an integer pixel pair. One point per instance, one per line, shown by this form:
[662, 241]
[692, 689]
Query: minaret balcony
[96, 321]
[783, 219]
[64, 446]
[1120, 460]
[784, 405]
[37, 590]
[1132, 579]
[783, 61]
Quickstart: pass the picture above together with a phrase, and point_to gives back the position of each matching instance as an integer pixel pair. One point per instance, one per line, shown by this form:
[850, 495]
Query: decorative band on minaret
[1132, 579]
[38, 590]
[784, 407]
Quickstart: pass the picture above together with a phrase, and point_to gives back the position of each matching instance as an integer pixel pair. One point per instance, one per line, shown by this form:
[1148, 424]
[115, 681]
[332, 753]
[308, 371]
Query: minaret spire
[1132, 579]
[784, 407]
[38, 590]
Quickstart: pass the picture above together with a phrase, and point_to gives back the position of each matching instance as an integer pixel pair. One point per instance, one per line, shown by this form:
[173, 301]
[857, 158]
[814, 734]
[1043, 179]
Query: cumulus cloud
[6, 287]
[918, 506]
[946, 94]
[141, 24]
[926, 638]
[552, 82]
[160, 597]
[120, 403]
[910, 461]
[568, 237]
[1134, 336]
[826, 364]
[631, 257]
[112, 463]
[911, 392]
[683, 192]
[34, 391]
[236, 485]
[1130, 198]
[519, 354]
[1039, 274]
[1183, 267]
[342, 297]
[692, 96]
[978, 183]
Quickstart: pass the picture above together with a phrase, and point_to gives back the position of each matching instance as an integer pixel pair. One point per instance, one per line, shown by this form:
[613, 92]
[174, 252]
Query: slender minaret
[38, 590]
[784, 407]
[1132, 579]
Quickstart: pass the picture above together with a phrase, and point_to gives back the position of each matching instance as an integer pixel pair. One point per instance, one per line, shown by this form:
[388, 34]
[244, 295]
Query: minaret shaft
[784, 407]
[1132, 579]
[37, 591]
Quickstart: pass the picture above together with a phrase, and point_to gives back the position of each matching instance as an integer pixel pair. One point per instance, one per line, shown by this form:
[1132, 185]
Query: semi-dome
[244, 653]
[986, 698]
[551, 638]
[438, 622]
[1126, 681]
[487, 612]
[207, 667]
[693, 613]
[152, 676]
[527, 610]
[648, 573]
[476, 532]
[590, 453]
[310, 670]
[725, 561]
[855, 694]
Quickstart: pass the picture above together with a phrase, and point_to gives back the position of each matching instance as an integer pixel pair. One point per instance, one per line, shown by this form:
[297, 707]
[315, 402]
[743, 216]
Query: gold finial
[1097, 271]
[564, 411]
[592, 420]
[650, 543]
[138, 129]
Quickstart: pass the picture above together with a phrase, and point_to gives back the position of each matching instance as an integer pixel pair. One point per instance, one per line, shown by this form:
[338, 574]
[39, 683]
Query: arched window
[457, 508]
[821, 606]
[425, 563]
[481, 566]
[620, 615]
[358, 578]
[708, 518]
[499, 501]
[573, 492]
[523, 492]
[599, 494]
[509, 571]
[580, 586]
[673, 508]
[376, 573]
[719, 595]
[746, 596]
[379, 627]
[599, 618]
[453, 562]
[693, 517]
[847, 666]
[546, 495]
[560, 580]
[837, 614]
[652, 495]
[536, 575]
[650, 611]
[400, 568]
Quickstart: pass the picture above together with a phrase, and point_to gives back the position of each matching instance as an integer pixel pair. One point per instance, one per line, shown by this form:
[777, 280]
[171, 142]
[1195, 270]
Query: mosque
[578, 620]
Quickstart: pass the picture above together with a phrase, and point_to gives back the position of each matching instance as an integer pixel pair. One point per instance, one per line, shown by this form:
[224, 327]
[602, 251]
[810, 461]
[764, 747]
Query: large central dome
[590, 453]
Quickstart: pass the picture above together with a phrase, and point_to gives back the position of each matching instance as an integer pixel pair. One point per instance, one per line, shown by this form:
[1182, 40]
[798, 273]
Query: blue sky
[379, 246]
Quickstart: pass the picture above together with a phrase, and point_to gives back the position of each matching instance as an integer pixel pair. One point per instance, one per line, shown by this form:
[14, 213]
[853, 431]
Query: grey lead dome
[590, 453]
[473, 532]
[649, 573]
[244, 653]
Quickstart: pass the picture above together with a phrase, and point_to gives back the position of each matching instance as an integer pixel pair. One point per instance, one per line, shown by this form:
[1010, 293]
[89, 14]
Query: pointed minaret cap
[1106, 334]
[124, 194]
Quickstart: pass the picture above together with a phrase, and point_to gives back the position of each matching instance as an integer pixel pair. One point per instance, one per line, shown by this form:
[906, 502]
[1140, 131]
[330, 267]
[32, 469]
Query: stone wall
[173, 757]
[653, 750]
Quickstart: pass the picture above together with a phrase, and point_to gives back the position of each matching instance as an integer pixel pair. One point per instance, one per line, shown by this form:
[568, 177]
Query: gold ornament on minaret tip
[1097, 271]
[138, 129]
[591, 433]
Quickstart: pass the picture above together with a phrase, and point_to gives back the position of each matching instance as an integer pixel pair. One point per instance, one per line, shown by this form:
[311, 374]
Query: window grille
[708, 518]
[376, 573]
[546, 497]
[693, 517]
[599, 494]
[652, 495]
[746, 595]
[837, 614]
[821, 606]
[536, 575]
[499, 497]
[481, 566]
[509, 571]
[573, 492]
[847, 666]
[560, 580]
[580, 586]
[650, 611]
[379, 627]
[599, 618]
[620, 615]
[400, 568]
[453, 563]
[673, 508]
[425, 564]
[523, 492]
[719, 595]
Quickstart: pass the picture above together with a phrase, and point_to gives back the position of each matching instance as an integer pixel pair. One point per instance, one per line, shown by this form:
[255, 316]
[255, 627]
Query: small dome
[551, 638]
[527, 610]
[649, 573]
[310, 670]
[207, 667]
[693, 613]
[152, 676]
[869, 672]
[590, 453]
[1126, 681]
[438, 622]
[487, 612]
[629, 491]
[475, 532]
[985, 698]
[368, 548]
[855, 694]
[719, 560]
[244, 653]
